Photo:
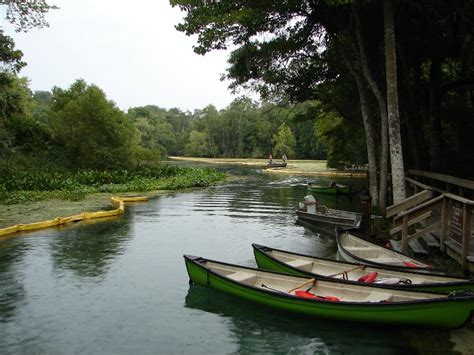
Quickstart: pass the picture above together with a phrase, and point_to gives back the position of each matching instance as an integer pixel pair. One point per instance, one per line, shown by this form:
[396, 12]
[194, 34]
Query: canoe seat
[243, 277]
[386, 261]
[376, 296]
[360, 248]
[301, 264]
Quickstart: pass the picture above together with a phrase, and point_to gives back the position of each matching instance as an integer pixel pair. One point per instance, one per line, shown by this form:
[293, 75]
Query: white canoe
[321, 268]
[354, 249]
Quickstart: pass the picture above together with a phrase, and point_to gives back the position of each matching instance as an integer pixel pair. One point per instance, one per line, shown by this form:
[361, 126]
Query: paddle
[313, 281]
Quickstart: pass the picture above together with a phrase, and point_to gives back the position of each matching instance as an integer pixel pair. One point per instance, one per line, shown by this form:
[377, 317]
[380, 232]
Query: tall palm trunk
[396, 153]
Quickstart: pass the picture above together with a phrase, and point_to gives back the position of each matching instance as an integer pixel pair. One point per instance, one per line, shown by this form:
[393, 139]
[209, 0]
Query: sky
[130, 49]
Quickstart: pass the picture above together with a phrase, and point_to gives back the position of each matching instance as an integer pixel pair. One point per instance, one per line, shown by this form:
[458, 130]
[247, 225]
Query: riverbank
[201, 228]
[294, 167]
[30, 212]
[46, 195]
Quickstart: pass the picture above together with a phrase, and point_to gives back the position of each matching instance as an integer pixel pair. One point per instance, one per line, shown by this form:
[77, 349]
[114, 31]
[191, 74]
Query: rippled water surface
[120, 286]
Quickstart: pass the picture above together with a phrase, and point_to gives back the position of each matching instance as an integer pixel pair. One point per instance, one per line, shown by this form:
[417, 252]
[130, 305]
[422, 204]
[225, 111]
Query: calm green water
[120, 286]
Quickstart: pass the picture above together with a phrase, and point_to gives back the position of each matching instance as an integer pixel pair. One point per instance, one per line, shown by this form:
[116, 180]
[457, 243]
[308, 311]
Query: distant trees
[197, 145]
[155, 132]
[342, 54]
[284, 141]
[78, 127]
[243, 129]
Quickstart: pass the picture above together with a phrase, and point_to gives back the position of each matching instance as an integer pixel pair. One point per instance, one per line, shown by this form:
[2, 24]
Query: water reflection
[90, 249]
[258, 329]
[119, 286]
[12, 291]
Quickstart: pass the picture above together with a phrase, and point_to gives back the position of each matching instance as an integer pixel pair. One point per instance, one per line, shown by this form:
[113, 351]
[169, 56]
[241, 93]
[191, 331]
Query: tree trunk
[383, 114]
[369, 132]
[396, 153]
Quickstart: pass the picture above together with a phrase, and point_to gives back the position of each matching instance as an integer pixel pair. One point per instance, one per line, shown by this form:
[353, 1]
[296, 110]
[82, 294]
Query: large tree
[92, 131]
[396, 155]
[294, 49]
[285, 48]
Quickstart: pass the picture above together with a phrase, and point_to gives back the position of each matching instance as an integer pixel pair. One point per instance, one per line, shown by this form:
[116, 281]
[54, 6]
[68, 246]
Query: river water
[120, 286]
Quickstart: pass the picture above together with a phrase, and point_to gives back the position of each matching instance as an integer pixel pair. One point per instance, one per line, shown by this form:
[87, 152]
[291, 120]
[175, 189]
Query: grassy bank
[32, 196]
[294, 167]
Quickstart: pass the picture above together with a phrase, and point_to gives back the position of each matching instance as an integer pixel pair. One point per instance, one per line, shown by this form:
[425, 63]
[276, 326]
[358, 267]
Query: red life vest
[369, 278]
[307, 294]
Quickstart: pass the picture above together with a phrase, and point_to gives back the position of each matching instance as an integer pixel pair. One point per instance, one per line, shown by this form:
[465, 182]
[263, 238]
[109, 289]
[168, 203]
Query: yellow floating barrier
[76, 218]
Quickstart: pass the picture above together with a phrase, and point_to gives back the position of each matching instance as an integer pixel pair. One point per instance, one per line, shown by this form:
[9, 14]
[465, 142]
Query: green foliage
[19, 185]
[24, 15]
[93, 132]
[197, 145]
[301, 50]
[346, 143]
[14, 96]
[284, 142]
[10, 58]
[27, 14]
[246, 129]
[159, 129]
[18, 130]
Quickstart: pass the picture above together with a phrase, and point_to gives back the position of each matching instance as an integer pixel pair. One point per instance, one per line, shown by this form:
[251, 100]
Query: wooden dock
[437, 215]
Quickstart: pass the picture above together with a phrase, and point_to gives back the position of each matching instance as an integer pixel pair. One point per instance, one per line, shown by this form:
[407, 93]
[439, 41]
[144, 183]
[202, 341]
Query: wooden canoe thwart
[354, 249]
[330, 298]
[350, 273]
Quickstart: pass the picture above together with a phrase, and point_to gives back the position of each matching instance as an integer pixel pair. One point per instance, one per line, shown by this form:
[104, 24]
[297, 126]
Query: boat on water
[276, 165]
[339, 218]
[352, 273]
[331, 189]
[312, 212]
[354, 249]
[332, 299]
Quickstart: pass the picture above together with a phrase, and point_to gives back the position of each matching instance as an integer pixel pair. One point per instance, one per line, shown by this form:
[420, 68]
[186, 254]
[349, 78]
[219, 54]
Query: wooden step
[396, 245]
[436, 234]
[454, 246]
[431, 241]
[417, 248]
[414, 245]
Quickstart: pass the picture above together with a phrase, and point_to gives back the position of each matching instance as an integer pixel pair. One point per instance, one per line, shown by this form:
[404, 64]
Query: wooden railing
[443, 183]
[415, 209]
[455, 221]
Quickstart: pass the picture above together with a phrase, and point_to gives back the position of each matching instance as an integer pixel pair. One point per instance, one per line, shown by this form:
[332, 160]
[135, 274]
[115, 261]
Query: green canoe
[330, 190]
[332, 299]
[350, 273]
